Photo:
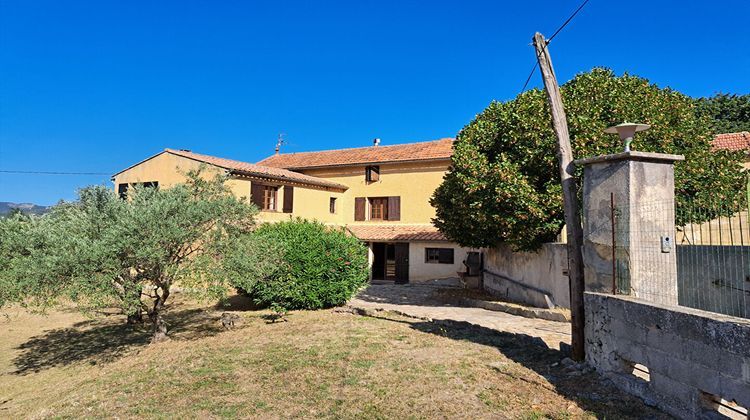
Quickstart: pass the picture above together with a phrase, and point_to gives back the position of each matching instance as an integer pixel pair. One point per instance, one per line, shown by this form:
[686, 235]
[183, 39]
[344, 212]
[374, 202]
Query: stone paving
[417, 300]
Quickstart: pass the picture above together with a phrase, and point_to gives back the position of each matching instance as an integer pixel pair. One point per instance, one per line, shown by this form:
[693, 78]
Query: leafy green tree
[504, 184]
[321, 266]
[728, 113]
[102, 251]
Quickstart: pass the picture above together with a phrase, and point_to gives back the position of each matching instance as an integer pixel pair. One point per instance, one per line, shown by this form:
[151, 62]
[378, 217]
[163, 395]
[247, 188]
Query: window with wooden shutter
[379, 208]
[122, 190]
[288, 199]
[372, 173]
[332, 205]
[256, 194]
[394, 208]
[269, 197]
[359, 209]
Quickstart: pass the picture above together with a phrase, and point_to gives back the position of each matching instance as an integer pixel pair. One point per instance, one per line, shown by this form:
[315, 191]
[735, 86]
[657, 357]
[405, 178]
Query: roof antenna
[279, 142]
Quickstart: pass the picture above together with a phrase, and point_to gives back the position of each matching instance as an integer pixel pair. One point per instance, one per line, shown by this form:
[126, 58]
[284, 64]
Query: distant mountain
[28, 208]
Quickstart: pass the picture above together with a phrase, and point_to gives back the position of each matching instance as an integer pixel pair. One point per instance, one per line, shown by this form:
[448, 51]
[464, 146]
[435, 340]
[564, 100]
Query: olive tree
[103, 251]
[504, 186]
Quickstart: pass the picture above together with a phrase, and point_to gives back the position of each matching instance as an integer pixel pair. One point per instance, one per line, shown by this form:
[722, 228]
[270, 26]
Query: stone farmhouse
[379, 193]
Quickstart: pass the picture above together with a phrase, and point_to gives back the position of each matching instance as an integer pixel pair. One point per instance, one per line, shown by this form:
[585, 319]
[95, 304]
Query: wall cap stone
[674, 308]
[631, 155]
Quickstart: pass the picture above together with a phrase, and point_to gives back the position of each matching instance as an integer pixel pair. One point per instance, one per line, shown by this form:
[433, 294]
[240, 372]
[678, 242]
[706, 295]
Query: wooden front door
[402, 262]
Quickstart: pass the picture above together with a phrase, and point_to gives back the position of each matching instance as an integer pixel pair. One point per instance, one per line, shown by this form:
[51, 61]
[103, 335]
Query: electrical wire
[567, 21]
[52, 173]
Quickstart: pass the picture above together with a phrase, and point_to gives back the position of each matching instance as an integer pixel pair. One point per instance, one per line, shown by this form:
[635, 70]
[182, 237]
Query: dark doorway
[378, 261]
[402, 262]
[390, 262]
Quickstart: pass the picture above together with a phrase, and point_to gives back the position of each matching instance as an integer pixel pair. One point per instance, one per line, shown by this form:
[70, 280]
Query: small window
[269, 197]
[372, 173]
[438, 255]
[332, 205]
[379, 208]
[122, 190]
[151, 184]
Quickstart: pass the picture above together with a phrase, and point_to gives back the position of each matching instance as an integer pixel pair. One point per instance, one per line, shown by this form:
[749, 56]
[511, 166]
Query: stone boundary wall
[532, 278]
[678, 359]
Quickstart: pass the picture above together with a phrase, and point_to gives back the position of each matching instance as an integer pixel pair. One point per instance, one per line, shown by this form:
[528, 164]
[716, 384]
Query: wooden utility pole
[570, 196]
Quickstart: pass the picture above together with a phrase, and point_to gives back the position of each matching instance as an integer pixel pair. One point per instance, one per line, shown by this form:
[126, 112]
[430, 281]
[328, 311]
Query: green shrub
[321, 266]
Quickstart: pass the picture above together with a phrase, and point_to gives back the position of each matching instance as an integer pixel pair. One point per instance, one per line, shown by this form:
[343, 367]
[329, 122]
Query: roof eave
[112, 178]
[327, 186]
[377, 162]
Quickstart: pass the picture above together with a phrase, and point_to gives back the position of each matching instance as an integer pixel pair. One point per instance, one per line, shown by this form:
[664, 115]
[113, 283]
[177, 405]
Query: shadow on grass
[106, 339]
[238, 303]
[418, 294]
[589, 391]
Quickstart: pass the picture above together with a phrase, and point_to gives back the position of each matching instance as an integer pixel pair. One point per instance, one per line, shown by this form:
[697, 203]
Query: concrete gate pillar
[641, 184]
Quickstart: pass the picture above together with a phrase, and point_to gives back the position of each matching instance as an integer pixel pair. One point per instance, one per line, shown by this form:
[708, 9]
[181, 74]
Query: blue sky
[96, 86]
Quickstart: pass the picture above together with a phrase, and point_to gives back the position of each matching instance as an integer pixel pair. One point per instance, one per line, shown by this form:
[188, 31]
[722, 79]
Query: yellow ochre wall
[168, 169]
[165, 168]
[413, 182]
[308, 202]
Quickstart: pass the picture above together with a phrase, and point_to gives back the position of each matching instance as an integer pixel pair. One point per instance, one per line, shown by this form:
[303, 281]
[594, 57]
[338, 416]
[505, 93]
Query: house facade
[380, 194]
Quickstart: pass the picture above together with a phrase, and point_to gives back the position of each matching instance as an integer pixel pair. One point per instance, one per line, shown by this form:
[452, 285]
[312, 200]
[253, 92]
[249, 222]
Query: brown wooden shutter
[359, 209]
[394, 208]
[256, 194]
[372, 173]
[288, 198]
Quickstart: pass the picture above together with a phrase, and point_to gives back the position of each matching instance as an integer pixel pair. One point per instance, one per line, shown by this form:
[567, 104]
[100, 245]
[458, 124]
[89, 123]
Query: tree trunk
[136, 318]
[156, 316]
[160, 328]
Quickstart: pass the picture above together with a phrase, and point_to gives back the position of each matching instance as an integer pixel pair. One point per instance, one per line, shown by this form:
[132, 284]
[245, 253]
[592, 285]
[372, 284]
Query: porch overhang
[397, 233]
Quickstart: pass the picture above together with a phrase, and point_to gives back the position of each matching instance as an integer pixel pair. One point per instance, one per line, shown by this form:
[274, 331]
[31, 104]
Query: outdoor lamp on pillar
[626, 131]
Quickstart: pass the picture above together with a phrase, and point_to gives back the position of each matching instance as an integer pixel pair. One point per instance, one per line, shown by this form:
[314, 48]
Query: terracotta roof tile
[396, 233]
[244, 168]
[436, 149]
[732, 141]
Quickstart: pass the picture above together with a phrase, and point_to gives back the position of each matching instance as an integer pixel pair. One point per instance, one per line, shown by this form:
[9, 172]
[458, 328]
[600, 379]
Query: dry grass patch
[318, 364]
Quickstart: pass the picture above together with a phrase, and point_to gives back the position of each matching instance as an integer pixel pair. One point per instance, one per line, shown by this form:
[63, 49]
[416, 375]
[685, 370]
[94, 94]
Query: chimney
[375, 142]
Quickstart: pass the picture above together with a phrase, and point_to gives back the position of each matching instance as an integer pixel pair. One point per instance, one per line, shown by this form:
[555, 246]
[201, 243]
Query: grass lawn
[318, 364]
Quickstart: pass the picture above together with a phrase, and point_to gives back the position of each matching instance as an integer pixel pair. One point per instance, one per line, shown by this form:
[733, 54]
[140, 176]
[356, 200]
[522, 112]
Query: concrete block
[646, 314]
[628, 332]
[694, 375]
[635, 353]
[630, 384]
[674, 397]
[730, 335]
[735, 390]
[668, 342]
[616, 308]
[704, 354]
